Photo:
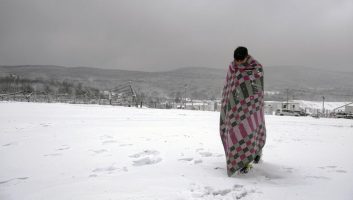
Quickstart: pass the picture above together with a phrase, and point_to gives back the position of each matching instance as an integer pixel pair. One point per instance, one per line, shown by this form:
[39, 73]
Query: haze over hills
[201, 83]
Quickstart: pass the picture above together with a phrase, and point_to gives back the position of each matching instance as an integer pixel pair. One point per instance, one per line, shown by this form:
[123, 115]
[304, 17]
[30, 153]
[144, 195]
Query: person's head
[240, 55]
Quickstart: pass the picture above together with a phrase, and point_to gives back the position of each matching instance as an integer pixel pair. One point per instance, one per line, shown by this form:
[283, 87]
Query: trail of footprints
[202, 154]
[106, 170]
[327, 169]
[332, 169]
[60, 149]
[14, 179]
[207, 192]
[146, 157]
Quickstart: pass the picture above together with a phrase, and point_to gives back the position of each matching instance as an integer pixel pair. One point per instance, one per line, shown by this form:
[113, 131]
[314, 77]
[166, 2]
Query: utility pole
[287, 98]
[110, 97]
[186, 86]
[323, 105]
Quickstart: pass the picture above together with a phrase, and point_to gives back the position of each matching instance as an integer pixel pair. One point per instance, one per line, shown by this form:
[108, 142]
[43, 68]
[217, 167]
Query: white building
[276, 106]
[207, 105]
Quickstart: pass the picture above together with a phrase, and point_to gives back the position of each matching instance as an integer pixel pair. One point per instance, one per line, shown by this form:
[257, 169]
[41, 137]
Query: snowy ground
[61, 151]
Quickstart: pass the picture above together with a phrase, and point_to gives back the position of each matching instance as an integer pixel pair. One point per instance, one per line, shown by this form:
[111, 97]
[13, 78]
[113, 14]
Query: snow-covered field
[62, 151]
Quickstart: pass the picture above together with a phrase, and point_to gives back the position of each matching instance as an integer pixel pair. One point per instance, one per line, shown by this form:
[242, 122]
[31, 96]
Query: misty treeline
[20, 89]
[149, 92]
[16, 88]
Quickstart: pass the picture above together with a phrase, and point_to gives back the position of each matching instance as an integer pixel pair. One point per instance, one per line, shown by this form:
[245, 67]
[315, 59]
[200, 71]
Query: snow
[63, 151]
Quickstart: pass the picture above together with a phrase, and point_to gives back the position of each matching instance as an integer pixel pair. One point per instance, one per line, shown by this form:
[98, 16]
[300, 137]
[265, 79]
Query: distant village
[281, 108]
[16, 89]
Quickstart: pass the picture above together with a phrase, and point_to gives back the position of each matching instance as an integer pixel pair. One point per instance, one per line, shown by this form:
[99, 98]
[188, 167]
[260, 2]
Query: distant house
[271, 107]
[293, 106]
[207, 105]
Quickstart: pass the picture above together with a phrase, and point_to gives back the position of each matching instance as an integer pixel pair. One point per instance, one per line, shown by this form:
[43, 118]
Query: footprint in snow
[52, 154]
[45, 124]
[106, 137]
[99, 151]
[147, 157]
[109, 169]
[288, 169]
[341, 171]
[144, 153]
[14, 179]
[205, 154]
[9, 144]
[186, 159]
[109, 142]
[219, 168]
[63, 147]
[207, 192]
[125, 145]
[93, 175]
[332, 168]
[197, 161]
[147, 161]
[317, 177]
[199, 149]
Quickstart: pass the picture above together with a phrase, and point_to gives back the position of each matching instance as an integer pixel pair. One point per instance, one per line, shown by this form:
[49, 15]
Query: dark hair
[240, 53]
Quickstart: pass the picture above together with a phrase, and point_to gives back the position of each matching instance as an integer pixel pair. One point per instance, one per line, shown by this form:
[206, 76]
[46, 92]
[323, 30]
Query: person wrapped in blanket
[242, 120]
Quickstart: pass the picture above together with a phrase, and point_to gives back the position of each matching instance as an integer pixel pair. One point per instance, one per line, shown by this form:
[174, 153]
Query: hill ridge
[201, 82]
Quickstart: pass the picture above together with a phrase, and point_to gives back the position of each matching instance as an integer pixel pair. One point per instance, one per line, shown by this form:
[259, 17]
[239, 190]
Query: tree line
[13, 86]
[16, 88]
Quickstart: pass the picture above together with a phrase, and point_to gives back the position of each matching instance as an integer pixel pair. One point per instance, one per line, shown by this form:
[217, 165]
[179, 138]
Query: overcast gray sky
[153, 35]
